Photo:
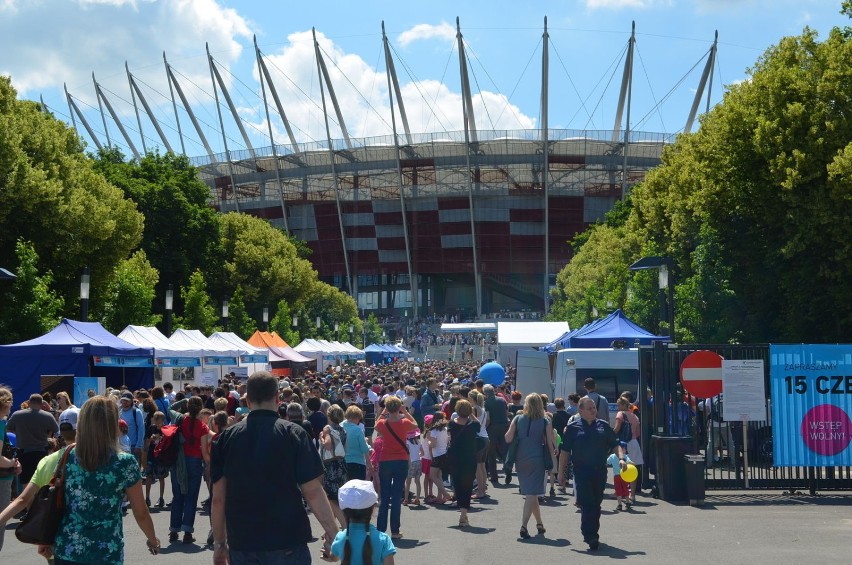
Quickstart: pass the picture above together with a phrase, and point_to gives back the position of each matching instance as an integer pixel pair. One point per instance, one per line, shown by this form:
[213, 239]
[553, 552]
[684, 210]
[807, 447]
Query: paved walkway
[733, 527]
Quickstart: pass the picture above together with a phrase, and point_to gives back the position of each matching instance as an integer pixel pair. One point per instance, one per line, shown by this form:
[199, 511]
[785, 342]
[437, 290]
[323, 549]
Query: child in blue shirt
[361, 543]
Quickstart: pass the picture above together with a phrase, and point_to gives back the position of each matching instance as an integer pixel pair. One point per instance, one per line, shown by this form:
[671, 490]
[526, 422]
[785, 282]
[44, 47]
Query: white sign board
[239, 372]
[209, 378]
[743, 390]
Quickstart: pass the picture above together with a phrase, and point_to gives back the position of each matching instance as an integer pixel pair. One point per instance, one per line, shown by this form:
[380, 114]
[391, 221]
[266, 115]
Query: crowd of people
[339, 443]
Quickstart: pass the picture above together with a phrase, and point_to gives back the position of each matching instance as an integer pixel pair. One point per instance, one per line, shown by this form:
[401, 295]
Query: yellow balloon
[630, 473]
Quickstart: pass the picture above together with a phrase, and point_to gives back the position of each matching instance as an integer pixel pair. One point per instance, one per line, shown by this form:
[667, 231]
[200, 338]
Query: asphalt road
[732, 527]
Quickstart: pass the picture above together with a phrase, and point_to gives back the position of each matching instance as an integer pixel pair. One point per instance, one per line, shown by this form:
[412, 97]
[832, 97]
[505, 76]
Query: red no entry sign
[701, 374]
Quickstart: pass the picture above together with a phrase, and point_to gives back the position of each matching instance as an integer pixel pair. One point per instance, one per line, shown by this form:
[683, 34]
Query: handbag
[42, 521]
[338, 449]
[513, 447]
[8, 452]
[545, 451]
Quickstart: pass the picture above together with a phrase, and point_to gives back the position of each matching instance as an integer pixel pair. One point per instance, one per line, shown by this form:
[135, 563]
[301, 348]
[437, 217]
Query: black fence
[738, 455]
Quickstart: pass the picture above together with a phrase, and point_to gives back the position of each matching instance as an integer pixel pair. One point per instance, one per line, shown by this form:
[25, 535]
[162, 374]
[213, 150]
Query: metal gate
[666, 410]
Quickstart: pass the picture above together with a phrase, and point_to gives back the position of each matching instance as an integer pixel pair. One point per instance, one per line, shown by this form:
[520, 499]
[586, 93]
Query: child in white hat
[361, 543]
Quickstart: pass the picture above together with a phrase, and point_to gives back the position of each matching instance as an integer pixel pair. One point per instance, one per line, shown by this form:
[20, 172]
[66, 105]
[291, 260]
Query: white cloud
[430, 105]
[420, 32]
[49, 43]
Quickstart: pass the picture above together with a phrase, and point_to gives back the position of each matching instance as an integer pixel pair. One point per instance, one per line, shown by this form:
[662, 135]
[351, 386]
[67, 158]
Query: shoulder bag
[546, 453]
[338, 449]
[42, 521]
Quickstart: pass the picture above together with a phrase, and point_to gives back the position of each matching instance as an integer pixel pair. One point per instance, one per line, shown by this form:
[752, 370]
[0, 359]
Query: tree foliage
[752, 208]
[282, 323]
[198, 312]
[52, 197]
[239, 320]
[30, 308]
[129, 294]
[181, 229]
[372, 330]
[262, 260]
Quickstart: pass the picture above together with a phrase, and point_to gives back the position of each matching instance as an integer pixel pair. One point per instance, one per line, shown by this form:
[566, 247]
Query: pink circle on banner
[826, 429]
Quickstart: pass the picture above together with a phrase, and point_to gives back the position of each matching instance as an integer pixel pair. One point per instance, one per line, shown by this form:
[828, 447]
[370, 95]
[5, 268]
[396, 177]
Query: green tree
[329, 305]
[129, 294]
[181, 228]
[239, 320]
[262, 260]
[282, 323]
[52, 197]
[198, 311]
[751, 208]
[373, 330]
[30, 307]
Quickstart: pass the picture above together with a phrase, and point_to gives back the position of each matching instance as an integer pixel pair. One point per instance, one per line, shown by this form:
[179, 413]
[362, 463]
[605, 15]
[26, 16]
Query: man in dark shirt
[589, 441]
[261, 468]
[33, 427]
[498, 425]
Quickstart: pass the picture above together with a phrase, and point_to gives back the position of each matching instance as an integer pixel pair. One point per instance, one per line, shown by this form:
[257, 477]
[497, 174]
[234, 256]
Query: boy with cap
[361, 543]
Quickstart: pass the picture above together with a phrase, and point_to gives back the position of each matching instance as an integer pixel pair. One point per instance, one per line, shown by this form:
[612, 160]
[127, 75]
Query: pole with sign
[745, 397]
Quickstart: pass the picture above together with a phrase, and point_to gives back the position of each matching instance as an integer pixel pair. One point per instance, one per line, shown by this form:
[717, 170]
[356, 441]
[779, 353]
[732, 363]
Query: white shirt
[442, 438]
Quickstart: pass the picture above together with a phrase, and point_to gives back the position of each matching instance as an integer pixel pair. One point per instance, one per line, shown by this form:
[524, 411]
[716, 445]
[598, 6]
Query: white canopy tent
[230, 339]
[214, 354]
[512, 336]
[170, 357]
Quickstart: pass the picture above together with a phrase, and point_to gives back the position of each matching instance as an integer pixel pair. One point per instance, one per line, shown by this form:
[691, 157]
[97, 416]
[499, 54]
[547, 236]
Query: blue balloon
[492, 374]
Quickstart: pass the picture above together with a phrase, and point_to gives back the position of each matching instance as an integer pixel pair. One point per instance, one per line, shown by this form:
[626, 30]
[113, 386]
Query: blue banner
[259, 358]
[811, 391]
[220, 361]
[178, 361]
[115, 361]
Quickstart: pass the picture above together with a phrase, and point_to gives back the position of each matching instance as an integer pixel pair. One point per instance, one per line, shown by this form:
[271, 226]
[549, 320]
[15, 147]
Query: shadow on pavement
[609, 551]
[766, 499]
[473, 529]
[539, 540]
[408, 543]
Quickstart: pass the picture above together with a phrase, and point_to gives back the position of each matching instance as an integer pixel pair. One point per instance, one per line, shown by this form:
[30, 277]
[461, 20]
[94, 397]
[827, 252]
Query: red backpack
[166, 451]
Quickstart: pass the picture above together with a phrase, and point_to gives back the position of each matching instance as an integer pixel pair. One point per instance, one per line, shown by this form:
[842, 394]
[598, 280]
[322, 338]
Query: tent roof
[529, 333]
[469, 328]
[144, 336]
[287, 354]
[91, 334]
[266, 339]
[194, 338]
[602, 332]
[230, 339]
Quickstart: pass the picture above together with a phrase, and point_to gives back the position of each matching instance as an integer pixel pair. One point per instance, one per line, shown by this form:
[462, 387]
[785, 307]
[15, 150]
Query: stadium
[470, 224]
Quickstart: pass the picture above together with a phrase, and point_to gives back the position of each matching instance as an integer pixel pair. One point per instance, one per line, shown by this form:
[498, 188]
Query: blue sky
[50, 42]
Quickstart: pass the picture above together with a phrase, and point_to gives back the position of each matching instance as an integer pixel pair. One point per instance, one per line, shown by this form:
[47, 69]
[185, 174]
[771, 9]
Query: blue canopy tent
[75, 349]
[601, 333]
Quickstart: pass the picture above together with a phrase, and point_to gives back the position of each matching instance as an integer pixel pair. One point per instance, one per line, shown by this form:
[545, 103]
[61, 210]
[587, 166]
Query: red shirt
[193, 430]
[393, 450]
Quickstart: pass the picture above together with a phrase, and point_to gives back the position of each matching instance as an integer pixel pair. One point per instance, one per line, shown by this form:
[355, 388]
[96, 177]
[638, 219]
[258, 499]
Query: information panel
[744, 391]
[811, 389]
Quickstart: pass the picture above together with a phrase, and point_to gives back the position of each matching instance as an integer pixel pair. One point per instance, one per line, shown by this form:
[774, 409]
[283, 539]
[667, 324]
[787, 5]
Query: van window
[610, 383]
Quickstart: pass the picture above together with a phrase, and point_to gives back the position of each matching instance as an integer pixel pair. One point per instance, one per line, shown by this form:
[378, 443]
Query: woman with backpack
[333, 452]
[186, 477]
[627, 429]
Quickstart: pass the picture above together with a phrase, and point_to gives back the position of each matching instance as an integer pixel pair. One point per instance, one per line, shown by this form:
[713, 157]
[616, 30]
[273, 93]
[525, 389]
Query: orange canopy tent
[266, 340]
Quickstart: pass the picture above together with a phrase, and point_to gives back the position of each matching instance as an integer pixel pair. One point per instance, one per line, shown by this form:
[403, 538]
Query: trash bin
[695, 479]
[670, 466]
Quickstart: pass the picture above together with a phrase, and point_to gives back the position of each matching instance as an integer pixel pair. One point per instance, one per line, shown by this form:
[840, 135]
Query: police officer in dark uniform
[588, 442]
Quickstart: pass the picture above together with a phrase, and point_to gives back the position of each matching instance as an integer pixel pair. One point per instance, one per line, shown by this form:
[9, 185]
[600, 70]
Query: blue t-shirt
[356, 444]
[380, 541]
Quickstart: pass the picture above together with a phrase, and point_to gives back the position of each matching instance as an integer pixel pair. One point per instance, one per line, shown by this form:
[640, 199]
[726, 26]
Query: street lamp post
[665, 282]
[84, 295]
[170, 302]
[225, 314]
[266, 318]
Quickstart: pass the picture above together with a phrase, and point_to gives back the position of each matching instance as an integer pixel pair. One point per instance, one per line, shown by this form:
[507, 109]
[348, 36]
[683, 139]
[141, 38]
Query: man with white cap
[361, 542]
